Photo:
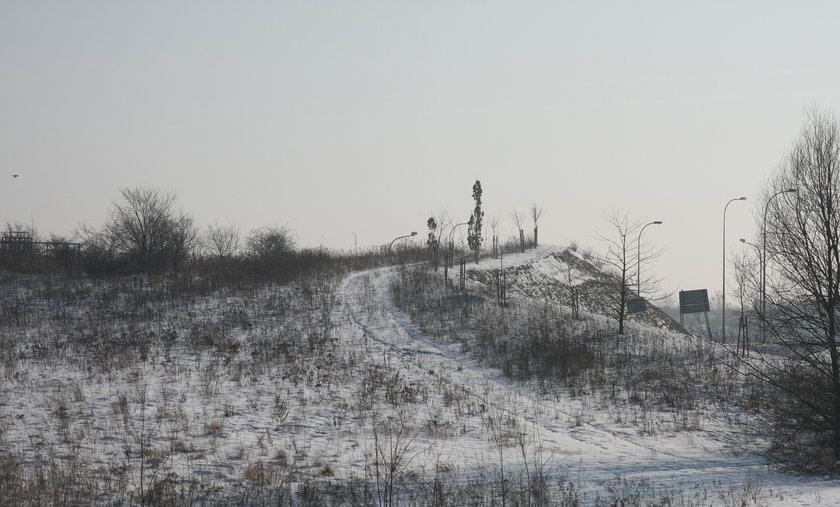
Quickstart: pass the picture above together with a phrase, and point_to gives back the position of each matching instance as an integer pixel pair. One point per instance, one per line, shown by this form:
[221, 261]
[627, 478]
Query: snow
[584, 443]
[209, 414]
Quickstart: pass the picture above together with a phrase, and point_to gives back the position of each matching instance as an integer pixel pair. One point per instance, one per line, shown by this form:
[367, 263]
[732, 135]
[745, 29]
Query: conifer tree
[475, 223]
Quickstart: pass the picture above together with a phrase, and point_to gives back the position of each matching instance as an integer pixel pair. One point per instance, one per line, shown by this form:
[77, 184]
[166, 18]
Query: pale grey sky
[366, 117]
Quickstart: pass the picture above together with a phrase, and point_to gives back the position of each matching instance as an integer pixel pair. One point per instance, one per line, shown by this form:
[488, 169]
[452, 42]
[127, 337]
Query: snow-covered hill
[329, 392]
[557, 274]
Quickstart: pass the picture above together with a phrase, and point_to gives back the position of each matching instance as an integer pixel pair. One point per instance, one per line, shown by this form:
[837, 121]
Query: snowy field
[327, 392]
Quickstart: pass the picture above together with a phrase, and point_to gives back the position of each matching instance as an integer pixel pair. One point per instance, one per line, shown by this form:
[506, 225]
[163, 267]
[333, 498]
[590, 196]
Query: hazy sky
[367, 117]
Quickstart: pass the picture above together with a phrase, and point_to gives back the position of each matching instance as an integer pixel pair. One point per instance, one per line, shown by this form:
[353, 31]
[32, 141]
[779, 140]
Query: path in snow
[591, 449]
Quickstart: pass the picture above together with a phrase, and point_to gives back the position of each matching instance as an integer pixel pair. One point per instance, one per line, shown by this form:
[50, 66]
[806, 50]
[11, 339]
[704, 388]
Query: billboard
[694, 301]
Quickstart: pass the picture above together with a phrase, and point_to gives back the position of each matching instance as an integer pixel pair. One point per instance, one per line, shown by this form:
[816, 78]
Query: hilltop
[558, 274]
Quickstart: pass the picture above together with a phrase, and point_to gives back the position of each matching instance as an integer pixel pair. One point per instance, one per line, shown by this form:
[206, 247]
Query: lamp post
[448, 259]
[757, 252]
[451, 232]
[723, 291]
[399, 237]
[639, 258]
[745, 344]
[744, 241]
[764, 261]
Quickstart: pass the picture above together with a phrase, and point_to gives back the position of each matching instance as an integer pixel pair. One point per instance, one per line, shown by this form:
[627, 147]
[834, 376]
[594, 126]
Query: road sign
[694, 301]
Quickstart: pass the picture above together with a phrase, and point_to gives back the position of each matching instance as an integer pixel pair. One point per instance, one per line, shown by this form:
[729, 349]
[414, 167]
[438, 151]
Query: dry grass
[213, 427]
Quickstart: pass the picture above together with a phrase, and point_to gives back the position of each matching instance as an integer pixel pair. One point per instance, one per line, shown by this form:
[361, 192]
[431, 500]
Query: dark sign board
[636, 305]
[694, 301]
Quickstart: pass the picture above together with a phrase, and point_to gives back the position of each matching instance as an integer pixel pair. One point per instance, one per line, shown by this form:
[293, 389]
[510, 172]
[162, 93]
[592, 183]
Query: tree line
[145, 233]
[439, 245]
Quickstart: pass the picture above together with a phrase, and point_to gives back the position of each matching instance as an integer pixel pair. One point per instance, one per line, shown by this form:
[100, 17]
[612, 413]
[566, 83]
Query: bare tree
[802, 297]
[443, 221]
[99, 253]
[183, 241]
[536, 213]
[519, 222]
[221, 241]
[143, 233]
[141, 227]
[394, 448]
[747, 286]
[270, 243]
[494, 227]
[622, 260]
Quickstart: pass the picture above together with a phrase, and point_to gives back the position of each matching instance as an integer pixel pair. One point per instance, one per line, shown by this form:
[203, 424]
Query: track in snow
[593, 451]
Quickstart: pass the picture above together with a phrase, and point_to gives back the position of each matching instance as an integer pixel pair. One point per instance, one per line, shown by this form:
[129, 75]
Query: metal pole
[452, 231]
[639, 258]
[450, 251]
[746, 321]
[395, 239]
[764, 262]
[723, 291]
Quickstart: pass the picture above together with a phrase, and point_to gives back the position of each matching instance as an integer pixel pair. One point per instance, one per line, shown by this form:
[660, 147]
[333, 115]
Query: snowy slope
[550, 273]
[579, 439]
[238, 397]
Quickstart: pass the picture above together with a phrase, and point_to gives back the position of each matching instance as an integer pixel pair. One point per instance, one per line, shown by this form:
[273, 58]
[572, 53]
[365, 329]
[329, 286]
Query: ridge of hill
[558, 275]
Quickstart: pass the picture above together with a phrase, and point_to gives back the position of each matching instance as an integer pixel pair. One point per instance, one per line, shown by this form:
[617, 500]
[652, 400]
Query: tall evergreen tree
[475, 223]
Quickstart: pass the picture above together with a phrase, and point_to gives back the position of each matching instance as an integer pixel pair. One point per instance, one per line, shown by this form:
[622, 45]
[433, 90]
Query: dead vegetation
[125, 390]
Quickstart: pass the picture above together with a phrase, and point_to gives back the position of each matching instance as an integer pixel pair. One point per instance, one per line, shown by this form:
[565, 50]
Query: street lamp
[744, 241]
[399, 237]
[639, 258]
[448, 257]
[746, 343]
[764, 262]
[723, 293]
[451, 232]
